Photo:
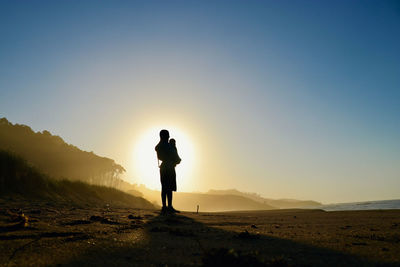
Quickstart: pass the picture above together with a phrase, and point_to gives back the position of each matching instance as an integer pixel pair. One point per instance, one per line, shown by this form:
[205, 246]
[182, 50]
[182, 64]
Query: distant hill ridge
[207, 202]
[225, 200]
[277, 203]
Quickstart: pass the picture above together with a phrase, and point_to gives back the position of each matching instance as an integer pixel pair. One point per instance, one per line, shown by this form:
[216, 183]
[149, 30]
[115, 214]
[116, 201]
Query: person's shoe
[164, 210]
[172, 210]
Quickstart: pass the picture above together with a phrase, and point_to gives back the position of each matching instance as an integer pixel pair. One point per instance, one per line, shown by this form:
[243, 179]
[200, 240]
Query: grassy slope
[18, 179]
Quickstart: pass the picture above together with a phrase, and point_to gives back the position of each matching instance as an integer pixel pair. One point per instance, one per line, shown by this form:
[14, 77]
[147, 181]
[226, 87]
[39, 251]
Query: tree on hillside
[55, 157]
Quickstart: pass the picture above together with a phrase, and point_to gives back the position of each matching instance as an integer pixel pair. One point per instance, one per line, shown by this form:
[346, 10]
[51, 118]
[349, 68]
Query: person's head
[164, 135]
[172, 141]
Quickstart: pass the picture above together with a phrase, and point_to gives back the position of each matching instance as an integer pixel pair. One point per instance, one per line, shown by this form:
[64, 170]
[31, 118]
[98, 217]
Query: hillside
[209, 202]
[278, 203]
[56, 158]
[19, 180]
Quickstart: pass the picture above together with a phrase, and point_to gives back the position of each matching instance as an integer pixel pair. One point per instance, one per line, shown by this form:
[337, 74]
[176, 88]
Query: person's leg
[169, 197]
[163, 191]
[164, 198]
[170, 207]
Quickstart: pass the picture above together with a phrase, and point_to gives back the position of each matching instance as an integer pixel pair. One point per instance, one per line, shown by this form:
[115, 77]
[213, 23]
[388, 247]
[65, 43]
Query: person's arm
[160, 152]
[178, 159]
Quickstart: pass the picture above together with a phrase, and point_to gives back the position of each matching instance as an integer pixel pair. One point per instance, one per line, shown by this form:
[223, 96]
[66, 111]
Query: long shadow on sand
[177, 240]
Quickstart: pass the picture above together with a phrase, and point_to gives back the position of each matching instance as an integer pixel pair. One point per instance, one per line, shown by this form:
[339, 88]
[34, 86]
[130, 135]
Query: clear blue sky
[291, 99]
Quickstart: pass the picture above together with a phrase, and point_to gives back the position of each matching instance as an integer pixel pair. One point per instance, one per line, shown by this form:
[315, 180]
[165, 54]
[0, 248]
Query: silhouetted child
[172, 143]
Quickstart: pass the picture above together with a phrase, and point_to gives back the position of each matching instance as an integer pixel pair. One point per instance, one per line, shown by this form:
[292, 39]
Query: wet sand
[47, 234]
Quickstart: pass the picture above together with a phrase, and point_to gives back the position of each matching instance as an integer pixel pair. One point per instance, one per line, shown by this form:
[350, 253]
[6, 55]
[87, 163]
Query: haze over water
[286, 99]
[368, 205]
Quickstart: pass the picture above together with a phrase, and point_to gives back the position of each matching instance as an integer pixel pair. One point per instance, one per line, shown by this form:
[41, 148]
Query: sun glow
[145, 161]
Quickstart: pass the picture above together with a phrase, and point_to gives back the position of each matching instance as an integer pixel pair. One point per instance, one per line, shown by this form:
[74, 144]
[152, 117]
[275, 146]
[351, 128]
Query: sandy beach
[107, 236]
[273, 126]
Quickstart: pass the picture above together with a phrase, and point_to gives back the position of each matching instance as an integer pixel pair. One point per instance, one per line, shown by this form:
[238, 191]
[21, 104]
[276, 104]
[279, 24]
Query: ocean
[367, 205]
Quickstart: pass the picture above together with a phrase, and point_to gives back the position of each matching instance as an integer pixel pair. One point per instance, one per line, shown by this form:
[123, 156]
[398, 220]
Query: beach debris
[108, 221]
[385, 249]
[23, 220]
[133, 217]
[96, 218]
[14, 215]
[78, 237]
[254, 226]
[103, 220]
[52, 210]
[60, 234]
[19, 219]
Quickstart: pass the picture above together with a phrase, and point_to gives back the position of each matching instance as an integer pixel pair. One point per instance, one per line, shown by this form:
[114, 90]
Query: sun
[145, 162]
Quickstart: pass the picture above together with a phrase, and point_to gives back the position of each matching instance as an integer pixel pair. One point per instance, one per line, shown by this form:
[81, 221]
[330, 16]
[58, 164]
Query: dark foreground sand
[65, 236]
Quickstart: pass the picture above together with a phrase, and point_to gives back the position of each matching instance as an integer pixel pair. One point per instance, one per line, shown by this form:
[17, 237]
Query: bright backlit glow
[145, 161]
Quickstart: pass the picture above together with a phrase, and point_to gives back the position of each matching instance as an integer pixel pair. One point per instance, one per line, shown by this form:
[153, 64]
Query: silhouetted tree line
[56, 158]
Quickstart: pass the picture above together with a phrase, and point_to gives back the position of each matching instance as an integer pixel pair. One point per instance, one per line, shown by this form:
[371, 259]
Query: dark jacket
[166, 154]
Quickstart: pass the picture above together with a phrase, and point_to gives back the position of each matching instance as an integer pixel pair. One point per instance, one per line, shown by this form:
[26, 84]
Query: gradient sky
[289, 99]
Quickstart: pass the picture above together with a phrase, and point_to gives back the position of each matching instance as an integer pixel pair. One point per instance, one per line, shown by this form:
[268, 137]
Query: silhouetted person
[169, 157]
